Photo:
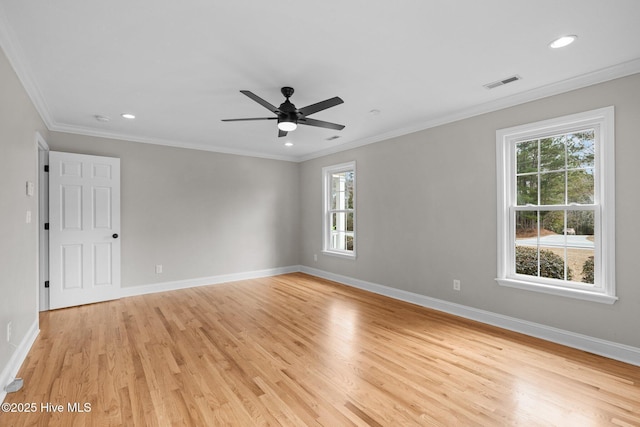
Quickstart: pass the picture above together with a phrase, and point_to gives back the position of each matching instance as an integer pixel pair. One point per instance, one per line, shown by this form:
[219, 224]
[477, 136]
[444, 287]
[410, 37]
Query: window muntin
[339, 209]
[555, 206]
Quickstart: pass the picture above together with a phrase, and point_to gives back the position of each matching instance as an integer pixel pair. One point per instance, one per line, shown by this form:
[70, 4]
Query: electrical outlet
[158, 268]
[456, 284]
[315, 257]
[9, 330]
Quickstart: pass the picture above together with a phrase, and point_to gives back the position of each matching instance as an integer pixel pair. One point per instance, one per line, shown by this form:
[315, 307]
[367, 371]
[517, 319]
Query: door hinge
[46, 168]
[46, 283]
[46, 225]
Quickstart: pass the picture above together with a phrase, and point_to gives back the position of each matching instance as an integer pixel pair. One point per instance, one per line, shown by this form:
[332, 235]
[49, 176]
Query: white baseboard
[13, 366]
[612, 350]
[203, 281]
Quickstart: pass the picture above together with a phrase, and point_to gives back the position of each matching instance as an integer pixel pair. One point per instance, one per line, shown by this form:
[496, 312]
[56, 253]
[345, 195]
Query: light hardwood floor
[297, 350]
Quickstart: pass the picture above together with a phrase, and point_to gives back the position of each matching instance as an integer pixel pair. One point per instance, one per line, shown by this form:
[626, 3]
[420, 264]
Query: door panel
[71, 267]
[102, 208]
[102, 264]
[84, 215]
[71, 207]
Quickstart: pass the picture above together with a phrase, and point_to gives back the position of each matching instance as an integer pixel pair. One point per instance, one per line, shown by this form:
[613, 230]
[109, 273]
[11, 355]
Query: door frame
[43, 217]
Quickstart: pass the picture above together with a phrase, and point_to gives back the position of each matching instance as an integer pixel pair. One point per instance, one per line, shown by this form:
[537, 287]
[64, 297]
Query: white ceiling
[179, 65]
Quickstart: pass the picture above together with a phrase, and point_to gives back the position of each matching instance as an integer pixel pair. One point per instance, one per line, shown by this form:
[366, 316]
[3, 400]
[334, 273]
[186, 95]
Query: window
[339, 209]
[556, 206]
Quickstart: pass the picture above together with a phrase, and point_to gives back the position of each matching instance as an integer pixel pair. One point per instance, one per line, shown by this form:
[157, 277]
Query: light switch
[30, 188]
[28, 217]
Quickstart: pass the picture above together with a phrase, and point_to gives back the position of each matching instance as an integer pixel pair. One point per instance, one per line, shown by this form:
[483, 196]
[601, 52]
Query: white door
[84, 229]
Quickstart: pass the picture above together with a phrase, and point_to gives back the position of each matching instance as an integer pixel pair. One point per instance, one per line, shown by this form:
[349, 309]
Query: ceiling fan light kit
[288, 116]
[286, 125]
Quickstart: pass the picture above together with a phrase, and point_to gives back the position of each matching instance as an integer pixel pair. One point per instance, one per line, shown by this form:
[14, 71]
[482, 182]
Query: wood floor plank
[297, 350]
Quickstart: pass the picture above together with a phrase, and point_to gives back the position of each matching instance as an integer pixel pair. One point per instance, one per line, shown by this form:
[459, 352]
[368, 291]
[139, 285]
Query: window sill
[556, 290]
[338, 254]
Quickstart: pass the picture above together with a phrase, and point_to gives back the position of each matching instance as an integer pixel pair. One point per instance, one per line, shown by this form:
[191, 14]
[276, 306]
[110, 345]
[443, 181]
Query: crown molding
[599, 76]
[80, 130]
[16, 59]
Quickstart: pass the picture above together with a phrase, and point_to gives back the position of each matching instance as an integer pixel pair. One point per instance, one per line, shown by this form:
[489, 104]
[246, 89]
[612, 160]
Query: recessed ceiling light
[562, 41]
[128, 116]
[288, 144]
[101, 118]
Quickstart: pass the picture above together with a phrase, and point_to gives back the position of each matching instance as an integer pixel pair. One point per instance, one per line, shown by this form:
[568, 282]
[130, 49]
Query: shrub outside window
[339, 209]
[556, 206]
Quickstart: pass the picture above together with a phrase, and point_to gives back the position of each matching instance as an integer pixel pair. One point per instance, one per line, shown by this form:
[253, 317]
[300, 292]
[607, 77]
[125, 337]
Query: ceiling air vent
[502, 82]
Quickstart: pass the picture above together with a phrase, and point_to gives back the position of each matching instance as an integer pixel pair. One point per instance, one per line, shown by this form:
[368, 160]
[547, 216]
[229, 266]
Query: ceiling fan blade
[322, 105]
[252, 118]
[282, 133]
[261, 101]
[320, 124]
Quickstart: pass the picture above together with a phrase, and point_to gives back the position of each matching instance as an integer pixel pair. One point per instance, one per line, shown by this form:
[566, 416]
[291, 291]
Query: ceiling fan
[289, 117]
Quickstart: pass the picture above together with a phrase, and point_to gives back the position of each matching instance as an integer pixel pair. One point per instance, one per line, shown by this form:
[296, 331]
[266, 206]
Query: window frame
[602, 120]
[327, 211]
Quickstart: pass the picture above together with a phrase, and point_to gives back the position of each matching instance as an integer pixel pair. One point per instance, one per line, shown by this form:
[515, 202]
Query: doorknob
[115, 236]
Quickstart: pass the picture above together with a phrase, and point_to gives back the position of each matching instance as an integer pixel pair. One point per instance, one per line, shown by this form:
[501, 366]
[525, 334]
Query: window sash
[597, 286]
[537, 137]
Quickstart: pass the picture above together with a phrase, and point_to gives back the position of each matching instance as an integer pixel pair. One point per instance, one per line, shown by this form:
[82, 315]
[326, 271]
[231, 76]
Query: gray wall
[199, 214]
[19, 122]
[426, 214]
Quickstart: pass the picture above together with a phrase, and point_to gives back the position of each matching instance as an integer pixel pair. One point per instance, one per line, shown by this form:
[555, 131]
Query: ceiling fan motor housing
[288, 117]
[287, 110]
